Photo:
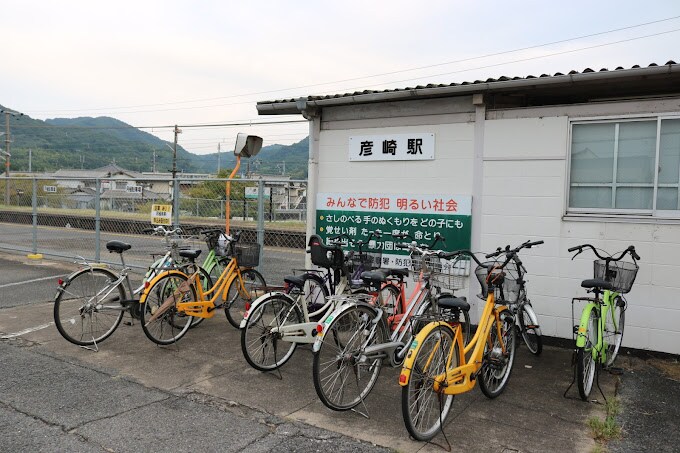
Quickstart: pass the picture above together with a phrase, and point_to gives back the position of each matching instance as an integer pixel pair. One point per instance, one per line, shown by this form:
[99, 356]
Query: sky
[154, 64]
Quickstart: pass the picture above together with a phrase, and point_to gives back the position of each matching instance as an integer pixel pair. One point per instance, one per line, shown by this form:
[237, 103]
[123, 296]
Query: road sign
[161, 214]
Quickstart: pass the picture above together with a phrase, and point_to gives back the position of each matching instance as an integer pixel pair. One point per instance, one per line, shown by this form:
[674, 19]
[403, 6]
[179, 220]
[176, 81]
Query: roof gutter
[296, 106]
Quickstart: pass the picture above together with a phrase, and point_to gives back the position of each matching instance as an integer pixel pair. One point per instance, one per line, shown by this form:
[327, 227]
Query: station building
[580, 157]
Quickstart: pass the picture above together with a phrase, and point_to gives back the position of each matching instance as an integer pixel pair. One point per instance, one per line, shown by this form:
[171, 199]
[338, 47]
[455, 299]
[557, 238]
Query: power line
[377, 75]
[190, 126]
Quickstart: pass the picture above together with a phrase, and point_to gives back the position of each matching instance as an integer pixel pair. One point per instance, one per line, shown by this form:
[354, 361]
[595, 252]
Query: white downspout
[477, 195]
[312, 170]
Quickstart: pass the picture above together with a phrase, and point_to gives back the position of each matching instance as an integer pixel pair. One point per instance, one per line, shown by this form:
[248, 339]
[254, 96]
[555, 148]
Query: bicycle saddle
[597, 283]
[117, 246]
[397, 272]
[191, 254]
[295, 281]
[376, 277]
[453, 302]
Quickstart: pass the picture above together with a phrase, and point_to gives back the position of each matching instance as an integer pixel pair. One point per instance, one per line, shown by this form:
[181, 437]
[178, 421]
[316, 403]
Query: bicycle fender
[326, 322]
[145, 293]
[72, 275]
[413, 348]
[582, 327]
[260, 300]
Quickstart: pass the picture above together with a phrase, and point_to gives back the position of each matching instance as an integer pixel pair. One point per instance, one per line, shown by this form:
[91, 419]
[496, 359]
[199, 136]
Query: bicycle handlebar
[160, 229]
[507, 250]
[630, 249]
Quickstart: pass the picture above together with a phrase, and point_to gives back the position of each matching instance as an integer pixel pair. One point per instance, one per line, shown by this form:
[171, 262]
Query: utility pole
[30, 157]
[8, 113]
[154, 161]
[218, 158]
[174, 153]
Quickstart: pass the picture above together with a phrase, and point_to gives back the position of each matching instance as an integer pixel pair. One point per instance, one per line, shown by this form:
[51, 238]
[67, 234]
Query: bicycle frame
[204, 308]
[460, 379]
[602, 308]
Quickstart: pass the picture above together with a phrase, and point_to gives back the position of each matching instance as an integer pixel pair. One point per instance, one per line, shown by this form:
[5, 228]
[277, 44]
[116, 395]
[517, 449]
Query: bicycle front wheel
[88, 309]
[342, 378]
[613, 329]
[425, 410]
[172, 324]
[531, 332]
[237, 297]
[499, 355]
[585, 359]
[263, 349]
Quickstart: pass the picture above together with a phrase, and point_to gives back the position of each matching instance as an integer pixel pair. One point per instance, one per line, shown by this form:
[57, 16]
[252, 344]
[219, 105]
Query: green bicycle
[600, 332]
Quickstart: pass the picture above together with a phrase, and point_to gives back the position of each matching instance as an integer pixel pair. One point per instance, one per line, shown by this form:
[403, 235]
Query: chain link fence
[75, 217]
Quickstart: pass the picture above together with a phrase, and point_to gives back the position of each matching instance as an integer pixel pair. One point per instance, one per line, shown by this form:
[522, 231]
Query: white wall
[449, 173]
[524, 198]
[524, 191]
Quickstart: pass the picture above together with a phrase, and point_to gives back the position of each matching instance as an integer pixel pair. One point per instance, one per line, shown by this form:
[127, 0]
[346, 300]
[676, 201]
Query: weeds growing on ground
[607, 429]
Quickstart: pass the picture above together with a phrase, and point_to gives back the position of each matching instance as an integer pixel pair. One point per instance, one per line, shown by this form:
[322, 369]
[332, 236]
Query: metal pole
[34, 206]
[97, 219]
[7, 142]
[175, 202]
[260, 215]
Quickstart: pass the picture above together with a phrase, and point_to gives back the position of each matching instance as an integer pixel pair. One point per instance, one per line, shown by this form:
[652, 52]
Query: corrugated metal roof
[483, 85]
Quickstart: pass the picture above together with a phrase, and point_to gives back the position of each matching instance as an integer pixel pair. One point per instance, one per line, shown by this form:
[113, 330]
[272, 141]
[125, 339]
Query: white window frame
[665, 213]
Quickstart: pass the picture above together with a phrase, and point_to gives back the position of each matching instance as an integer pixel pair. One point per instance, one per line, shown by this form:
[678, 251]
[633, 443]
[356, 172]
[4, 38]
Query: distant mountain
[67, 143]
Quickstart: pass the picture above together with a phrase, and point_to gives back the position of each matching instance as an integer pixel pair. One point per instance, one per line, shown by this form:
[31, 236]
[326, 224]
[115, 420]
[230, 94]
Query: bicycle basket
[482, 272]
[444, 274]
[247, 255]
[621, 274]
[369, 260]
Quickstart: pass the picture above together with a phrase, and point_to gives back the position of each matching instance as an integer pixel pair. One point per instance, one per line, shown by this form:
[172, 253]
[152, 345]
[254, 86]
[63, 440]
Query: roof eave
[292, 107]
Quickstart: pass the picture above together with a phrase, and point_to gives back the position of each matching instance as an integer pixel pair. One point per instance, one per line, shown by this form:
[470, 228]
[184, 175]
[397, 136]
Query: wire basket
[621, 274]
[369, 260]
[510, 289]
[247, 255]
[444, 274]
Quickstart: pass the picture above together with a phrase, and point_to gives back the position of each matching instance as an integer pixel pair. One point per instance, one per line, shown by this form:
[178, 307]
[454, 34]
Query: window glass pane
[590, 197]
[634, 197]
[592, 153]
[669, 152]
[667, 198]
[637, 152]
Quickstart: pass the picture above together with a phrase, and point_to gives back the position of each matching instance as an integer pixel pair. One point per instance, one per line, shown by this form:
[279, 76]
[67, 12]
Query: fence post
[260, 216]
[34, 206]
[97, 219]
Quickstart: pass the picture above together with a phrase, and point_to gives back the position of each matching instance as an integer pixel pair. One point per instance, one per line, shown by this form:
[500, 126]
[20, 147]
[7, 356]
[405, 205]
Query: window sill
[620, 218]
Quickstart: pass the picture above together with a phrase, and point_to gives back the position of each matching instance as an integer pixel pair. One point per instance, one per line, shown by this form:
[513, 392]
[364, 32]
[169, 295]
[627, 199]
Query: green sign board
[420, 216]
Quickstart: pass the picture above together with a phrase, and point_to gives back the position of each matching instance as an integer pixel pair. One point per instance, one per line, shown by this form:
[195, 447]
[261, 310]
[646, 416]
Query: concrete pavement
[200, 395]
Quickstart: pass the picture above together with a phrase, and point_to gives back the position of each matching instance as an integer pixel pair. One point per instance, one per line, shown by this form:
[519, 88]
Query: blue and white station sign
[413, 146]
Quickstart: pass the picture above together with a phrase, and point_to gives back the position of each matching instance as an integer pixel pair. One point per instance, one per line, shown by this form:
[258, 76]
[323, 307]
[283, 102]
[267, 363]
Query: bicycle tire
[235, 307]
[73, 307]
[258, 344]
[169, 327]
[496, 364]
[335, 362]
[315, 291]
[528, 326]
[424, 410]
[613, 331]
[585, 362]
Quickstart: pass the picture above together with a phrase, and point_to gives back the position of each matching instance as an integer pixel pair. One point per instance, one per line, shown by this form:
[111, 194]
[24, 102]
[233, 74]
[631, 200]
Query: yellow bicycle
[439, 365]
[172, 299]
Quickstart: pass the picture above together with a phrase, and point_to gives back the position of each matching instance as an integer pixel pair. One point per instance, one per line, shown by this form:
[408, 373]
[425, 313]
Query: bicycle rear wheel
[88, 309]
[254, 284]
[585, 360]
[172, 324]
[613, 329]
[263, 349]
[342, 379]
[315, 292]
[423, 409]
[499, 355]
[206, 283]
[531, 332]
